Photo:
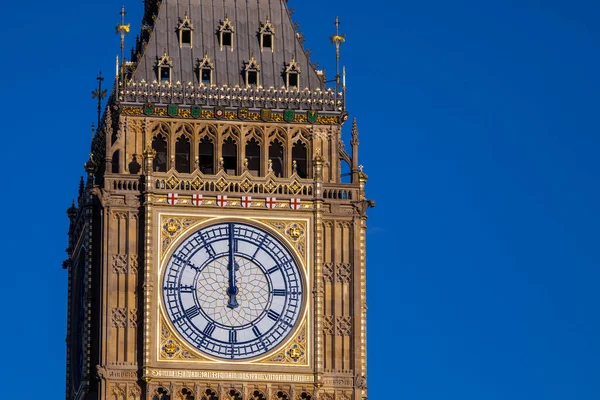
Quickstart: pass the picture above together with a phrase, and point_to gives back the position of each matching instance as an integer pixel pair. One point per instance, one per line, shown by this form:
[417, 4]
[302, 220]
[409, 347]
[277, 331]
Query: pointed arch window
[159, 145]
[292, 74]
[267, 36]
[230, 156]
[182, 155]
[185, 29]
[164, 67]
[115, 162]
[252, 72]
[253, 156]
[226, 34]
[205, 70]
[206, 156]
[300, 159]
[276, 155]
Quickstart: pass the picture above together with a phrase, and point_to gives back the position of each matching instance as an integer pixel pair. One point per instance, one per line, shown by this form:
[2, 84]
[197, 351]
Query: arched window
[253, 156]
[159, 145]
[115, 162]
[182, 155]
[230, 156]
[209, 394]
[299, 155]
[206, 156]
[161, 394]
[276, 156]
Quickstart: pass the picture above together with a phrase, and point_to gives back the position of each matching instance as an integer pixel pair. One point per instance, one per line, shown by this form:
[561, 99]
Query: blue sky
[479, 132]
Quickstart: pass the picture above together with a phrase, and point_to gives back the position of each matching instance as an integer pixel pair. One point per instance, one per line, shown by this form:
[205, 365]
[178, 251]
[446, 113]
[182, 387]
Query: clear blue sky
[479, 131]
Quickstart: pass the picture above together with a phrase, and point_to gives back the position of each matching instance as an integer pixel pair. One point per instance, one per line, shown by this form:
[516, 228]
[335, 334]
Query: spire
[99, 94]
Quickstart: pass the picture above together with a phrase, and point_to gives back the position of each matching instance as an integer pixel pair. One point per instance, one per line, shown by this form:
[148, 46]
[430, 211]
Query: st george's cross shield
[172, 198]
[246, 201]
[222, 200]
[197, 200]
[271, 202]
[295, 204]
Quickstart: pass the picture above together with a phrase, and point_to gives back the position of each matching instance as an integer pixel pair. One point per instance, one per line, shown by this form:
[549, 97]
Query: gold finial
[123, 29]
[337, 39]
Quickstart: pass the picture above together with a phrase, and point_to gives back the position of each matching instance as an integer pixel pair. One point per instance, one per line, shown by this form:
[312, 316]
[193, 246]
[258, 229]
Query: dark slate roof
[206, 16]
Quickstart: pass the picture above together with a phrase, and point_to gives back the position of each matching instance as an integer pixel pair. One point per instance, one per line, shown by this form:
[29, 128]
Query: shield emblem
[196, 111]
[311, 116]
[265, 114]
[219, 112]
[172, 110]
[149, 109]
[288, 115]
[243, 114]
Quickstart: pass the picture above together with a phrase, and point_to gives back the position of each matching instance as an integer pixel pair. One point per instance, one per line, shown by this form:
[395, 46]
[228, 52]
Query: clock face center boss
[233, 291]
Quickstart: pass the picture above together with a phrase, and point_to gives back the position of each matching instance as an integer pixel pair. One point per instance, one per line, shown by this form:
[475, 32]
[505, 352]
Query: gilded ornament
[295, 353]
[170, 348]
[172, 227]
[295, 232]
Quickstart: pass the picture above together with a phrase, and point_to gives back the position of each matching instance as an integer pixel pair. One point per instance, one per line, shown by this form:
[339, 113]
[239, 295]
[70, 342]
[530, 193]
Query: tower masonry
[216, 249]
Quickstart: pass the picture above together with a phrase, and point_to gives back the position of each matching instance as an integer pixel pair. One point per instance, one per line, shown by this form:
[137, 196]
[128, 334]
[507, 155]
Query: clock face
[232, 291]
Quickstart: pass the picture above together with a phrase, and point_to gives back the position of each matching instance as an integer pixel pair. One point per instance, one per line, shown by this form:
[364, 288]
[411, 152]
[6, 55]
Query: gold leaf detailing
[296, 231]
[221, 185]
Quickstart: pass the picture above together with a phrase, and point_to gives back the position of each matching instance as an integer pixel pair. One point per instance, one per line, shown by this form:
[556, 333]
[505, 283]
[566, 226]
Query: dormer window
[206, 76]
[185, 29]
[292, 74]
[266, 34]
[226, 32]
[252, 71]
[164, 66]
[205, 70]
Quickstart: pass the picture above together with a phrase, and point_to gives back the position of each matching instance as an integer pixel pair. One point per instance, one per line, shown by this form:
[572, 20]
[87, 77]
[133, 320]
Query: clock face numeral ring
[233, 291]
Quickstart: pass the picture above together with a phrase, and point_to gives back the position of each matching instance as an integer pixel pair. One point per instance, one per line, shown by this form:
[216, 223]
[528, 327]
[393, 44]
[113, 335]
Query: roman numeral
[192, 312]
[186, 289]
[232, 336]
[274, 269]
[236, 245]
[210, 328]
[279, 292]
[273, 315]
[256, 331]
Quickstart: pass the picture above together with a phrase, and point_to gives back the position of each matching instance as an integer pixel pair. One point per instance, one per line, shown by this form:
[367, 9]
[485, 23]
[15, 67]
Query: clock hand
[232, 290]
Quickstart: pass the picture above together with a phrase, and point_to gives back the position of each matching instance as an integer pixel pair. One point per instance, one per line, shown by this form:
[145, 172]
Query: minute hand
[232, 291]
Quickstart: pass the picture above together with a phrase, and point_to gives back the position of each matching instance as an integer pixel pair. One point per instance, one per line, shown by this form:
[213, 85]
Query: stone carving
[328, 322]
[119, 317]
[343, 273]
[119, 264]
[328, 272]
[343, 326]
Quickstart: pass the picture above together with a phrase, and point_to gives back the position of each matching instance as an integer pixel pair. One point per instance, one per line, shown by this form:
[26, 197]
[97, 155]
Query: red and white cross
[222, 200]
[295, 204]
[246, 201]
[270, 202]
[172, 198]
[197, 200]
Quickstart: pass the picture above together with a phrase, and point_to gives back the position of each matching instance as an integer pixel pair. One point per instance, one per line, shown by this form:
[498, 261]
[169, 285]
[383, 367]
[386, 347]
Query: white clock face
[233, 291]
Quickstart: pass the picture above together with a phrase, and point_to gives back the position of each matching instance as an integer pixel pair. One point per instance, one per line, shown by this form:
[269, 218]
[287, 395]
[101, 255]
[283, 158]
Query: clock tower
[216, 250]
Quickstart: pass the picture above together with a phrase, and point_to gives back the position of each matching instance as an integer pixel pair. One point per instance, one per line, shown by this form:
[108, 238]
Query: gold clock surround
[295, 350]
